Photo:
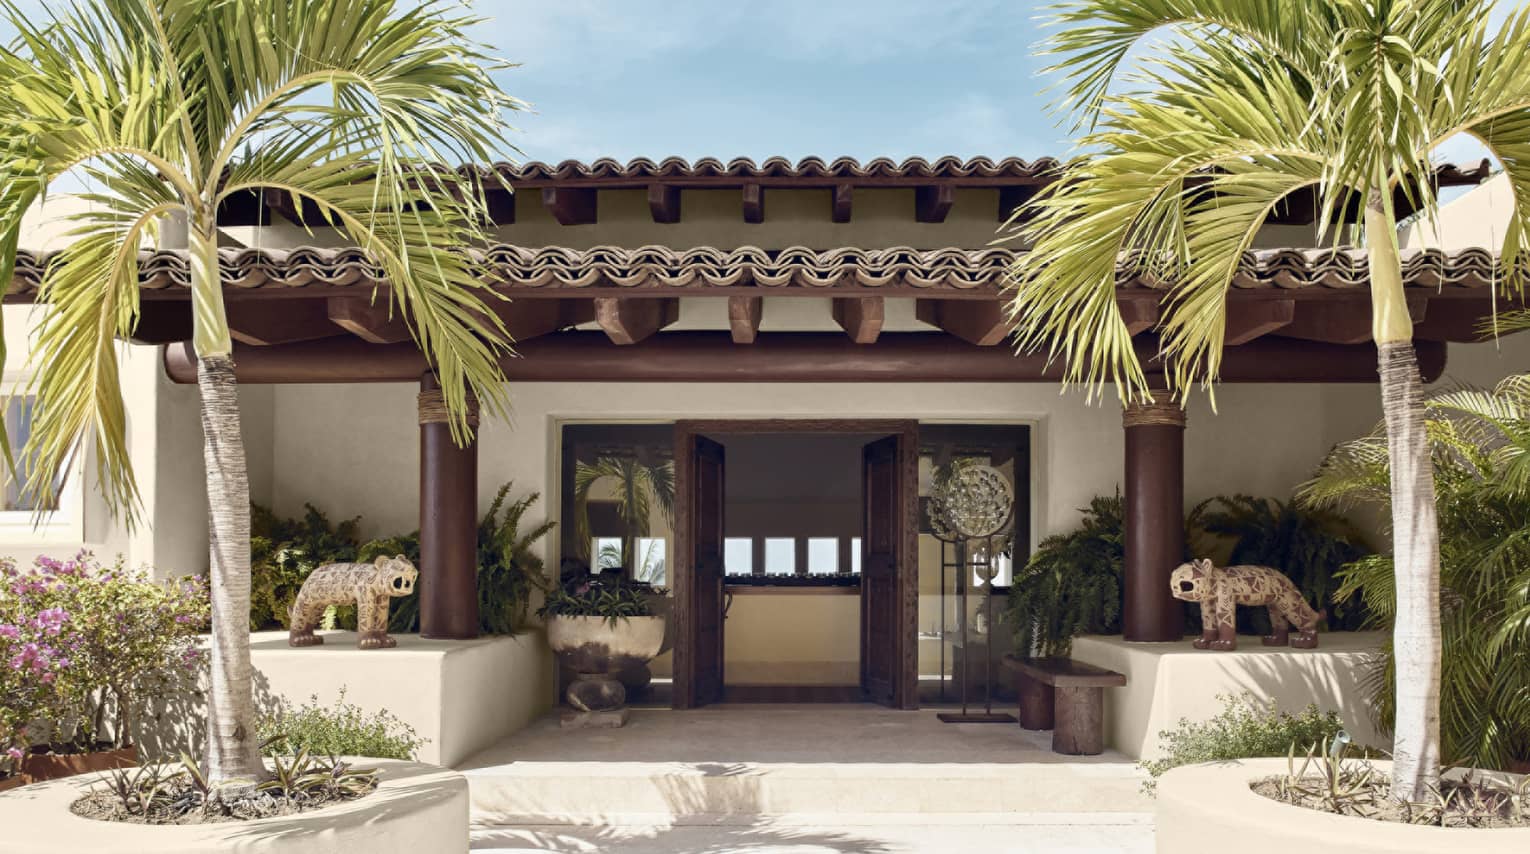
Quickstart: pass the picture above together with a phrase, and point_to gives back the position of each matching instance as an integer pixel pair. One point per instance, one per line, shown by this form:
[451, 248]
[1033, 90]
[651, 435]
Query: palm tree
[1183, 163]
[168, 109]
[1481, 444]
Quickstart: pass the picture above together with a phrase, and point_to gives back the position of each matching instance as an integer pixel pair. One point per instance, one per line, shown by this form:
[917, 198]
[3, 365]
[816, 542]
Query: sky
[761, 78]
[724, 78]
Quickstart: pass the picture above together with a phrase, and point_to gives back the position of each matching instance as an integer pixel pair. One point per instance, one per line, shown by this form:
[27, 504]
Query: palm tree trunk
[233, 753]
[1415, 531]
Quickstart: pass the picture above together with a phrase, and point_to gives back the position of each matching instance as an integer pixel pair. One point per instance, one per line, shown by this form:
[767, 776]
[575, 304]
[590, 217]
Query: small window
[18, 426]
[738, 555]
[823, 555]
[855, 555]
[780, 556]
[650, 560]
[607, 552]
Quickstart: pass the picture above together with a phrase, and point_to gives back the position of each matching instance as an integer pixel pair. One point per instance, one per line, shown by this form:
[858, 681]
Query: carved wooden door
[881, 533]
[707, 570]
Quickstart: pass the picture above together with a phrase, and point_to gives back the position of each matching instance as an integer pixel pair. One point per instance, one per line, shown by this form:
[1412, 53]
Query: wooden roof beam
[932, 203]
[744, 315]
[1250, 319]
[162, 322]
[628, 321]
[1012, 199]
[1140, 313]
[860, 317]
[664, 203]
[526, 319]
[1460, 320]
[754, 203]
[841, 205]
[981, 322]
[267, 322]
[368, 320]
[571, 206]
[1348, 322]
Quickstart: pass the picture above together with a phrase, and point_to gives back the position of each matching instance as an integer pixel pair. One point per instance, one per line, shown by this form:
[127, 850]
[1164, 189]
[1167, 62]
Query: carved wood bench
[1067, 697]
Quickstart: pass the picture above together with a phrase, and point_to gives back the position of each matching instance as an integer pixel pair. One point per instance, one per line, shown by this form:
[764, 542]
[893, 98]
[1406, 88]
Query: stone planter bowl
[416, 808]
[1210, 807]
[597, 650]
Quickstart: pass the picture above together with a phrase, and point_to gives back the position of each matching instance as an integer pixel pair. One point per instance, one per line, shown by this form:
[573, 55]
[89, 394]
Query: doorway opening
[795, 567]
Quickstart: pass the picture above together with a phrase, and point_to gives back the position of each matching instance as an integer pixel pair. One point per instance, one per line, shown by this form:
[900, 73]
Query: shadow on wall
[1331, 686]
[177, 723]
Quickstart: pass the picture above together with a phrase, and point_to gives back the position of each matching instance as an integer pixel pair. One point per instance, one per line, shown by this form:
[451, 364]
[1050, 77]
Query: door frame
[906, 691]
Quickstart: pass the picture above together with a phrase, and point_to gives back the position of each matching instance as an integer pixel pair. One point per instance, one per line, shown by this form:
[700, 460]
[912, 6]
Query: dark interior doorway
[882, 562]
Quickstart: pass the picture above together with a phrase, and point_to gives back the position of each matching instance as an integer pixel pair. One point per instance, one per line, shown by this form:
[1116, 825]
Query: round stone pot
[597, 651]
[415, 808]
[1213, 801]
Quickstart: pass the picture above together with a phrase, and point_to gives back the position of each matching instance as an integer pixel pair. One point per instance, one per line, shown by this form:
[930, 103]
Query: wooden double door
[889, 557]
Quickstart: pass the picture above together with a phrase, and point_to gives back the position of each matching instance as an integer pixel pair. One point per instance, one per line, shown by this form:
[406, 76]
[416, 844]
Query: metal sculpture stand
[975, 502]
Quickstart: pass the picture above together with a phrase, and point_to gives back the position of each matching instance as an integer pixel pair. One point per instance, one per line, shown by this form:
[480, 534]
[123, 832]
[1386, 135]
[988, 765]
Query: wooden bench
[1067, 697]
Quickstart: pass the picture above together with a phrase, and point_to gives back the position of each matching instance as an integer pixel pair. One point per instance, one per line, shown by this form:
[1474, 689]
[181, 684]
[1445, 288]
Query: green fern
[1072, 584]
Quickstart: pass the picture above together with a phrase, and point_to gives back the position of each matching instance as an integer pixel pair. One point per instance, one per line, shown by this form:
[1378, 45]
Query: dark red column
[1155, 519]
[448, 521]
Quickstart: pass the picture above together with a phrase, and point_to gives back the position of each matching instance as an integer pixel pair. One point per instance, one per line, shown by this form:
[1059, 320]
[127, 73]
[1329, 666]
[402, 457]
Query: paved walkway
[847, 835]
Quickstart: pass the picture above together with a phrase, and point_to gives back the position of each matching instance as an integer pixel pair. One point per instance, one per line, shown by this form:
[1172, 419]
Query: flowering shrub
[84, 647]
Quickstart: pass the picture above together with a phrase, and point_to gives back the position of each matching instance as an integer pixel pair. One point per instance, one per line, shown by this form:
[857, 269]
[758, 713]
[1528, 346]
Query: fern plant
[1308, 545]
[1072, 584]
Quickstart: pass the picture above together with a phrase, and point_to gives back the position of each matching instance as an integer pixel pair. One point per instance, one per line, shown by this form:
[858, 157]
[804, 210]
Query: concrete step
[645, 793]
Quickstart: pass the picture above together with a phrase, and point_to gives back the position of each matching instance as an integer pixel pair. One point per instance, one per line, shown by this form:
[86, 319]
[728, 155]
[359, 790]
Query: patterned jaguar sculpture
[366, 585]
[1221, 589]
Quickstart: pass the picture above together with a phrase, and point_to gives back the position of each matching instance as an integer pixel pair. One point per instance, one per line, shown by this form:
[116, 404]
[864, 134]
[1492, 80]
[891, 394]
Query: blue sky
[795, 78]
[757, 78]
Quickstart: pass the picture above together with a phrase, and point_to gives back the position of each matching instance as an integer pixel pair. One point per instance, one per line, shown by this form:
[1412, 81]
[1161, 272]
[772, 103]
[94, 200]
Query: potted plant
[599, 626]
[90, 647]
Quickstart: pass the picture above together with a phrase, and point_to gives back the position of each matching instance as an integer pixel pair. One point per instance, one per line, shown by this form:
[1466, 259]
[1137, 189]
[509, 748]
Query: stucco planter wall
[416, 808]
[1211, 807]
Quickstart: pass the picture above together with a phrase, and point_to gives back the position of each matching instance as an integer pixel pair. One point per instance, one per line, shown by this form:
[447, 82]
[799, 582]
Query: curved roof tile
[562, 268]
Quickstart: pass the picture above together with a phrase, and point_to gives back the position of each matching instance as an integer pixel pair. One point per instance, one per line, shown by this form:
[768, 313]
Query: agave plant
[1480, 443]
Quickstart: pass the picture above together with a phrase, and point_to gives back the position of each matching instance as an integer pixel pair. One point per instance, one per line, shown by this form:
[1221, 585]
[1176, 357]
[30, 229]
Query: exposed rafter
[571, 206]
[842, 201]
[860, 317]
[1349, 324]
[744, 314]
[754, 203]
[268, 322]
[628, 321]
[368, 320]
[932, 203]
[1014, 198]
[1247, 320]
[162, 322]
[1140, 314]
[664, 203]
[981, 322]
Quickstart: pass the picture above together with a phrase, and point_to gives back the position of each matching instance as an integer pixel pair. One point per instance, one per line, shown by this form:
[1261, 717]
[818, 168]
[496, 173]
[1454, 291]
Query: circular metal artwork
[977, 500]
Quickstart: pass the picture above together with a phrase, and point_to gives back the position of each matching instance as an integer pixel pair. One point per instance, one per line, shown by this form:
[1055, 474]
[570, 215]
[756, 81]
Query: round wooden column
[1155, 519]
[448, 521]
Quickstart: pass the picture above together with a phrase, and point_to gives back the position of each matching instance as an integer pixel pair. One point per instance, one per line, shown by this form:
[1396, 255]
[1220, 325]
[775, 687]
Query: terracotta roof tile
[560, 268]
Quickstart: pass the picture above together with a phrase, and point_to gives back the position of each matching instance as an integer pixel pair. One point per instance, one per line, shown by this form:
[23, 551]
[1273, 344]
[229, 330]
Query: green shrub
[282, 554]
[342, 729]
[1244, 729]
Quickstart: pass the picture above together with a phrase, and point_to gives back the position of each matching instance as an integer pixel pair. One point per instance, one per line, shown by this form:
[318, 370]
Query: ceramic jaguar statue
[367, 585]
[1221, 589]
